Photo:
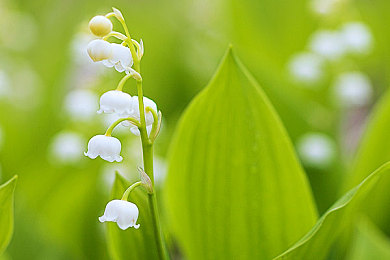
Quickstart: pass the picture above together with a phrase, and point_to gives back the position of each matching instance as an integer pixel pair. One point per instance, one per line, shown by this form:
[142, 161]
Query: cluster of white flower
[350, 38]
[329, 45]
[111, 54]
[139, 113]
[326, 47]
[124, 106]
[66, 147]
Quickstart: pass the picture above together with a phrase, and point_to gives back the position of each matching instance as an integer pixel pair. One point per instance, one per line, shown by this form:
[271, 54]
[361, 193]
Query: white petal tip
[102, 219]
[123, 227]
[136, 226]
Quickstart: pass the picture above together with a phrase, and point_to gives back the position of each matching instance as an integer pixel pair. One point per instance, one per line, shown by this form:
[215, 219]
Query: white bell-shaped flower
[124, 213]
[116, 101]
[121, 58]
[99, 50]
[148, 115]
[100, 25]
[81, 104]
[107, 147]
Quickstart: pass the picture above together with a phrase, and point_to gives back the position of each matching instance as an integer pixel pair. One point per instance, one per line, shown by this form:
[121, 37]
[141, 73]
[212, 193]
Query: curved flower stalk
[139, 113]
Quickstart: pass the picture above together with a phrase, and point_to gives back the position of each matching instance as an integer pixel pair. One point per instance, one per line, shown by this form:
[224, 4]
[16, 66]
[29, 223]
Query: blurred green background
[45, 72]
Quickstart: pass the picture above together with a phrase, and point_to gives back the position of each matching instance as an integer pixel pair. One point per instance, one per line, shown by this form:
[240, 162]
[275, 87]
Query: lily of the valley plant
[138, 113]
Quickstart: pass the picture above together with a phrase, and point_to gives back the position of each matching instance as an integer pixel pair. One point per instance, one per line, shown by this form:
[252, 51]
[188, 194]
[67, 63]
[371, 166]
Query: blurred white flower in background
[316, 150]
[5, 85]
[357, 37]
[306, 67]
[324, 7]
[81, 104]
[66, 147]
[327, 43]
[352, 89]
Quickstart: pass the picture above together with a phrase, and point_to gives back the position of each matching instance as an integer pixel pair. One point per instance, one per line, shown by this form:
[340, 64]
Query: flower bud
[107, 147]
[99, 50]
[115, 101]
[124, 213]
[100, 25]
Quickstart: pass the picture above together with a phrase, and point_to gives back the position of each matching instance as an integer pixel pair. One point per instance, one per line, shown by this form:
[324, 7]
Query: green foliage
[369, 242]
[6, 212]
[316, 243]
[235, 188]
[373, 152]
[131, 243]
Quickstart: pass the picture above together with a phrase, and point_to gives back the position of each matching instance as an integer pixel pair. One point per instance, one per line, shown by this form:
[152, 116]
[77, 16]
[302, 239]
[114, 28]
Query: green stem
[123, 81]
[130, 189]
[111, 128]
[147, 152]
[131, 46]
[152, 135]
[117, 35]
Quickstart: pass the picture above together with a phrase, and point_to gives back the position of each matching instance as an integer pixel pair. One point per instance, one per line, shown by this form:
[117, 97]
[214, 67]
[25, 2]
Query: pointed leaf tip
[11, 182]
[232, 159]
[7, 212]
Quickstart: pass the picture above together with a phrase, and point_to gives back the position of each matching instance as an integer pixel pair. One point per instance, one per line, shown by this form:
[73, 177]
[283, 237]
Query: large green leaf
[235, 189]
[373, 152]
[132, 243]
[316, 243]
[6, 212]
[369, 242]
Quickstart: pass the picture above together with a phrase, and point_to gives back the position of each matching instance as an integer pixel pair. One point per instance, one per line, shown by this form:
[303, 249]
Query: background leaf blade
[317, 242]
[6, 212]
[234, 187]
